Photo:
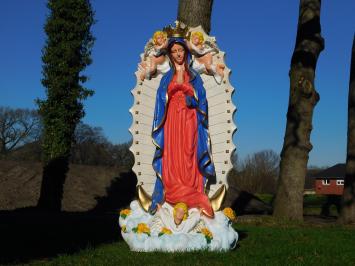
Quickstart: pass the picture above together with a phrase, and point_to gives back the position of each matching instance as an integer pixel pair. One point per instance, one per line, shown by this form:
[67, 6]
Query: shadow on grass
[242, 234]
[331, 200]
[244, 202]
[28, 234]
[119, 194]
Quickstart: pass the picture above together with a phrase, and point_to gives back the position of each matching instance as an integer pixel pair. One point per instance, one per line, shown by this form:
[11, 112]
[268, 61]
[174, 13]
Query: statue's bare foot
[142, 76]
[217, 71]
[143, 69]
[220, 70]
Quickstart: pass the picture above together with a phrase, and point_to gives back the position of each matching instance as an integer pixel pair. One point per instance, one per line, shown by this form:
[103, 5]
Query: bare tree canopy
[85, 133]
[258, 173]
[93, 148]
[348, 202]
[196, 12]
[302, 100]
[18, 127]
[90, 147]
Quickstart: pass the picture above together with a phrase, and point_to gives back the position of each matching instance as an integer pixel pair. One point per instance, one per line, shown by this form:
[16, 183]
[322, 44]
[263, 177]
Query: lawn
[312, 204]
[259, 245]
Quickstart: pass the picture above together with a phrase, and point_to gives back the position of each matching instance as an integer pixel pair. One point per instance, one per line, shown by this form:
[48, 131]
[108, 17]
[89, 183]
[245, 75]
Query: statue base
[147, 233]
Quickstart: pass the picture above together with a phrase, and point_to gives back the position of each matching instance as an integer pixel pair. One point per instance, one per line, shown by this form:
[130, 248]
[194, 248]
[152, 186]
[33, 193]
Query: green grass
[314, 200]
[260, 245]
[263, 241]
[265, 197]
[312, 204]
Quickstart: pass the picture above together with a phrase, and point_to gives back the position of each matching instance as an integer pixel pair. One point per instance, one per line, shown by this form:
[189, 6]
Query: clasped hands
[190, 100]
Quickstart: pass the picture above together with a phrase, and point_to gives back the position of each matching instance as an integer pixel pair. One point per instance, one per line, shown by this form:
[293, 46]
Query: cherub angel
[177, 219]
[203, 52]
[155, 56]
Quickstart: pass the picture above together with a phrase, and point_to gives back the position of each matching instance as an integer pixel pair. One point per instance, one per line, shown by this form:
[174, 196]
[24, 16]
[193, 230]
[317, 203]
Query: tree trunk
[303, 98]
[196, 12]
[348, 200]
[66, 54]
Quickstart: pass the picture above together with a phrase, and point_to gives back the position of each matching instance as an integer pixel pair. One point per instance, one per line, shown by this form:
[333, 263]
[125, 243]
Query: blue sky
[257, 36]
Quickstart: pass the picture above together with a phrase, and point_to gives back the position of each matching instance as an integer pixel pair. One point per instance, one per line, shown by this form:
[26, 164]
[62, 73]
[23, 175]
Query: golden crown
[180, 30]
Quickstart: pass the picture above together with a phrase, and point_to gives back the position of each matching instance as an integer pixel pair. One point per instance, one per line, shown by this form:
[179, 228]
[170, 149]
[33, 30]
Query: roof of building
[336, 171]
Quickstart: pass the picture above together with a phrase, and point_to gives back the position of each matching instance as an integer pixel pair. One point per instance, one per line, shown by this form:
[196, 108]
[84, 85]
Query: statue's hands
[180, 69]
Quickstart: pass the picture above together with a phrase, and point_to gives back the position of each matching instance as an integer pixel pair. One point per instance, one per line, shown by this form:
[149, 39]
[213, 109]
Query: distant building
[330, 181]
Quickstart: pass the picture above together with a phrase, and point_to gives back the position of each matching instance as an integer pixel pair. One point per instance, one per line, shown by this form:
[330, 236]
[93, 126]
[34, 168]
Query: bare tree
[86, 133]
[91, 147]
[122, 156]
[196, 12]
[17, 127]
[258, 173]
[348, 200]
[303, 98]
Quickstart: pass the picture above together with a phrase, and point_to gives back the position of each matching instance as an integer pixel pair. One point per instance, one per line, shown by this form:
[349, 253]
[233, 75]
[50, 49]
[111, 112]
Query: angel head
[197, 38]
[180, 212]
[159, 37]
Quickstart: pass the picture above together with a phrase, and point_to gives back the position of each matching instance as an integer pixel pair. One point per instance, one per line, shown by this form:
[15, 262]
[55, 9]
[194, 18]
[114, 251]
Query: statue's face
[160, 39]
[179, 214]
[195, 40]
[178, 53]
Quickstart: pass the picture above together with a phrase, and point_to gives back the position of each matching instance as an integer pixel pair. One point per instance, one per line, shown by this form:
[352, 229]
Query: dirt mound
[86, 187]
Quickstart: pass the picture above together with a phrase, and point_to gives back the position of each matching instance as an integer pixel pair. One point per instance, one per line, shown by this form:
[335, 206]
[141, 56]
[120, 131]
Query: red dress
[182, 179]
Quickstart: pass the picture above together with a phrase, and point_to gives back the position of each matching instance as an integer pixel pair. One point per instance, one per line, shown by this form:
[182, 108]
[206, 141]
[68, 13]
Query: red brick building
[330, 181]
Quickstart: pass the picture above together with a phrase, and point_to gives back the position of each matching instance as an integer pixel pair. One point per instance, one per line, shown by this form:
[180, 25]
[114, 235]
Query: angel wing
[221, 125]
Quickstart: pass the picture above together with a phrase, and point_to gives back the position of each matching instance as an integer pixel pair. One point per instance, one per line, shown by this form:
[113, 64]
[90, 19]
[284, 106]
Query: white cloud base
[224, 236]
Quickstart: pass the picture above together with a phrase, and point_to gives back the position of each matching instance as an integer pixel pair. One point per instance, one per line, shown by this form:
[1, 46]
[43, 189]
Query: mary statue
[182, 159]
[172, 137]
